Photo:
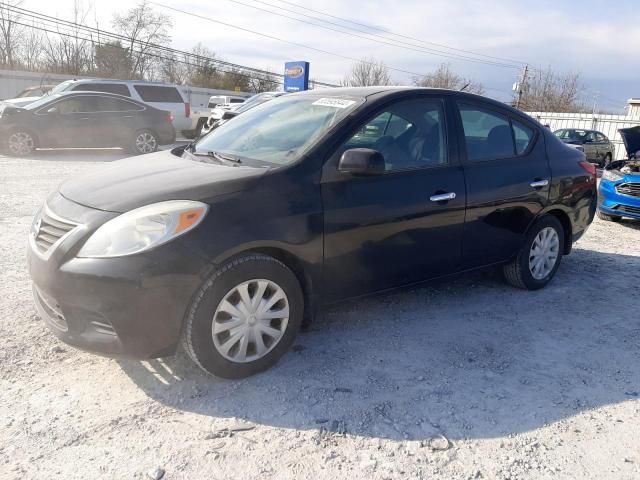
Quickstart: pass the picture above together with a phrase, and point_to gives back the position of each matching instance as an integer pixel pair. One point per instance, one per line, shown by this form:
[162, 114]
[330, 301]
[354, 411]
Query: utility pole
[521, 85]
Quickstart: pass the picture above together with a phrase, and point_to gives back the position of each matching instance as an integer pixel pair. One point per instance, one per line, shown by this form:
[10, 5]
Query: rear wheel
[609, 218]
[144, 141]
[20, 143]
[244, 318]
[539, 257]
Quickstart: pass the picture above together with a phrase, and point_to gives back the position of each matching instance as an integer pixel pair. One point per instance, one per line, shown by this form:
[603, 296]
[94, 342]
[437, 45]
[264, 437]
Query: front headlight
[611, 175]
[144, 228]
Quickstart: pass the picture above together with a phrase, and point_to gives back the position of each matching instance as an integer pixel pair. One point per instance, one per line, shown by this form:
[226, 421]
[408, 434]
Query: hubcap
[544, 253]
[250, 320]
[146, 143]
[21, 143]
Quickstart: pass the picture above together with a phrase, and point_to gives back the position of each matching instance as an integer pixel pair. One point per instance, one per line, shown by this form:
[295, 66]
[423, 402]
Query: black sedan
[231, 244]
[84, 119]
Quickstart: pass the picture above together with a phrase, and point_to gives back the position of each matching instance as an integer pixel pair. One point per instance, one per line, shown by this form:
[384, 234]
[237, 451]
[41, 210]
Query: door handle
[442, 197]
[539, 183]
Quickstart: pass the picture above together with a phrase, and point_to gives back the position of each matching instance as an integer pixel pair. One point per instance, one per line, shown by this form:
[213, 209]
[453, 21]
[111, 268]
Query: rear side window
[523, 136]
[487, 134]
[106, 104]
[236, 100]
[117, 88]
[154, 93]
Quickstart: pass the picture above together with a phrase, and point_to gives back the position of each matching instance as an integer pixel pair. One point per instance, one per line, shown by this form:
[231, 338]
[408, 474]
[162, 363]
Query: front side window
[487, 133]
[84, 104]
[409, 134]
[118, 88]
[279, 131]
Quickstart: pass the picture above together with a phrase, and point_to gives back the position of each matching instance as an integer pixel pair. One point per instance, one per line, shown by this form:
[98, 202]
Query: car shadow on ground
[467, 358]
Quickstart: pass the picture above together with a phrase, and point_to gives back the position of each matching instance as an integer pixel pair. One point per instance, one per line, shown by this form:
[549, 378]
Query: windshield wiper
[218, 156]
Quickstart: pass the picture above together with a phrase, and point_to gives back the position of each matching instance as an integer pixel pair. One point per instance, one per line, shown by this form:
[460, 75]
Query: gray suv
[595, 145]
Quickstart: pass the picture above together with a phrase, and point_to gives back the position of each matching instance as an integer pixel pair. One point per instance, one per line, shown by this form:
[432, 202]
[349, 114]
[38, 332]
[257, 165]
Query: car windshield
[61, 87]
[278, 131]
[42, 101]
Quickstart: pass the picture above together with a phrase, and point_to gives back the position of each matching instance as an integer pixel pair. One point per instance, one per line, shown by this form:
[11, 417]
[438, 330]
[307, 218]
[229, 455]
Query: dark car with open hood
[84, 120]
[231, 244]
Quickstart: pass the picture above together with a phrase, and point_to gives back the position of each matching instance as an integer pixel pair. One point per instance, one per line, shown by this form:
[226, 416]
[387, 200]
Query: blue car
[619, 192]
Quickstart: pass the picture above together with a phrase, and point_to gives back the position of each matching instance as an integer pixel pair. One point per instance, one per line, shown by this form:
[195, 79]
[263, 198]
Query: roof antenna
[465, 87]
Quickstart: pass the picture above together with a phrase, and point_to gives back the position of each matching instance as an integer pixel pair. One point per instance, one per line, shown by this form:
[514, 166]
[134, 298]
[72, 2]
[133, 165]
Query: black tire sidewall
[205, 304]
[523, 258]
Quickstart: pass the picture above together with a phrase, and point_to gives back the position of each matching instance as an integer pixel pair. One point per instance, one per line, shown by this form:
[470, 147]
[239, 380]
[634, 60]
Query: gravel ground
[466, 379]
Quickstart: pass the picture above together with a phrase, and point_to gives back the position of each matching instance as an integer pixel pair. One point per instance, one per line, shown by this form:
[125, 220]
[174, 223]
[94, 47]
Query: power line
[386, 41]
[47, 19]
[373, 27]
[308, 47]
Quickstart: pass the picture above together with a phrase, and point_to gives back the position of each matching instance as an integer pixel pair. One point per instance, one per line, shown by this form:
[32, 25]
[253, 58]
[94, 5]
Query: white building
[633, 107]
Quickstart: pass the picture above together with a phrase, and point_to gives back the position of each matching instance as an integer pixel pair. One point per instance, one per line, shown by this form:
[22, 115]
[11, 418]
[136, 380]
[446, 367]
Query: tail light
[589, 167]
[169, 117]
[187, 110]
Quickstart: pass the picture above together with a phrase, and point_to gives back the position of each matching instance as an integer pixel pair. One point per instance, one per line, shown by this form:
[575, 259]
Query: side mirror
[362, 162]
[53, 110]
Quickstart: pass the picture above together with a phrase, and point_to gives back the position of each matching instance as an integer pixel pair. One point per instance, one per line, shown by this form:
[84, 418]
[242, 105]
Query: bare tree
[144, 29]
[69, 51]
[444, 77]
[367, 72]
[549, 91]
[10, 33]
[263, 82]
[31, 49]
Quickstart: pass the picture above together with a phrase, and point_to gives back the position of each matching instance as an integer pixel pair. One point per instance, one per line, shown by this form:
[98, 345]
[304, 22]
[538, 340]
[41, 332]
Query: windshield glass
[41, 101]
[278, 131]
[61, 87]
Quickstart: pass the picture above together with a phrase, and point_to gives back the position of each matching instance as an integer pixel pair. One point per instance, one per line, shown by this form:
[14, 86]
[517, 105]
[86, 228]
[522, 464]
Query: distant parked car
[84, 119]
[162, 96]
[221, 115]
[595, 145]
[620, 184]
[35, 91]
[230, 100]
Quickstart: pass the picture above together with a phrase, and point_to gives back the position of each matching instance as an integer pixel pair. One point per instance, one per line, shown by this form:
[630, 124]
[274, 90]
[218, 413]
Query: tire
[144, 141]
[220, 354]
[519, 271]
[608, 218]
[20, 143]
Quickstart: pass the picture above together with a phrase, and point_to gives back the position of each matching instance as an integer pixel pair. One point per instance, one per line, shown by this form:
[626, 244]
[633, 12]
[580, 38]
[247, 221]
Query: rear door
[402, 226]
[118, 120]
[507, 179]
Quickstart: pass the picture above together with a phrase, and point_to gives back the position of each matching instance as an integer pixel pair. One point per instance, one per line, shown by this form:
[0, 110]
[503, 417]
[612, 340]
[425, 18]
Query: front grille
[631, 189]
[628, 209]
[51, 228]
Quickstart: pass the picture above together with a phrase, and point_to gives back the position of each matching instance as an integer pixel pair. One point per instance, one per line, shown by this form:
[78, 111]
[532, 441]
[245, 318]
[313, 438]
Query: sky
[598, 39]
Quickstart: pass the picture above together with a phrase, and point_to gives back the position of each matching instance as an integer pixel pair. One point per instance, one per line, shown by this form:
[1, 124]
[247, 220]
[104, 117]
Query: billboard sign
[296, 76]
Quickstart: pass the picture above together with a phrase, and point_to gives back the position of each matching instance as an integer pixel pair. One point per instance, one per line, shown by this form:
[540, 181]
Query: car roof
[122, 82]
[79, 93]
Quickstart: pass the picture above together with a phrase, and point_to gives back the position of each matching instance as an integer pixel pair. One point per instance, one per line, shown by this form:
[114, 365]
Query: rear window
[154, 93]
[236, 100]
[117, 88]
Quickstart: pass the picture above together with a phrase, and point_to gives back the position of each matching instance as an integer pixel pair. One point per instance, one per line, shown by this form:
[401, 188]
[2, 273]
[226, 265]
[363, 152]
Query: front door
[71, 122]
[507, 177]
[402, 226]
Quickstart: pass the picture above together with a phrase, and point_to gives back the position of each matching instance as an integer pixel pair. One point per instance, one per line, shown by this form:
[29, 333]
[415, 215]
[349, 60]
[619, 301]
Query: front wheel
[539, 257]
[20, 143]
[245, 317]
[144, 141]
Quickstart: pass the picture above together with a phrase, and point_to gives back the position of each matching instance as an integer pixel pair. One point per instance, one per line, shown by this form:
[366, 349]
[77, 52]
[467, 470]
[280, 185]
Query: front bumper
[129, 306]
[613, 203]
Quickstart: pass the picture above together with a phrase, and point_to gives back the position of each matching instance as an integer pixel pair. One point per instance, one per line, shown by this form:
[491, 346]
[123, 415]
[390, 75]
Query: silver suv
[595, 145]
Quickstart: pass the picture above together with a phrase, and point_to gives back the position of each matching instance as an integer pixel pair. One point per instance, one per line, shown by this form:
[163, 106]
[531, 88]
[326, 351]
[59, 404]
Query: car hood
[138, 181]
[631, 139]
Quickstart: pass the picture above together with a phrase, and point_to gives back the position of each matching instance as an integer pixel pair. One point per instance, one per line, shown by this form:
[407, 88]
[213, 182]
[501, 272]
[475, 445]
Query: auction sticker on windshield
[334, 102]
